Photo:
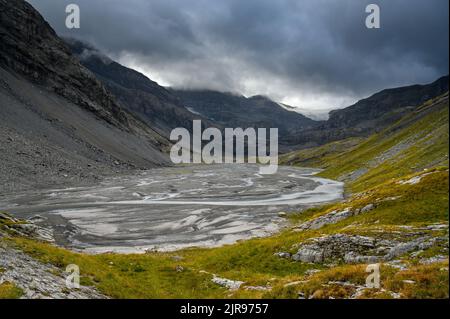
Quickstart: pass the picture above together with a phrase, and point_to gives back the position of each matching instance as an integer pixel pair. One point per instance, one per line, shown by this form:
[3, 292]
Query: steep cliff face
[30, 47]
[389, 104]
[154, 104]
[58, 122]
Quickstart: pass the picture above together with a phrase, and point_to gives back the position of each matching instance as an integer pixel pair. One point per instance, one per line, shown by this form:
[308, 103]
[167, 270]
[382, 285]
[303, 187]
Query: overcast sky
[315, 54]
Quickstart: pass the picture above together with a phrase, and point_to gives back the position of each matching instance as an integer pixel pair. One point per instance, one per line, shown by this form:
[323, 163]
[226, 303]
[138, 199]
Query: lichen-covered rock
[354, 249]
[333, 247]
[227, 283]
[327, 219]
[283, 255]
[367, 208]
[34, 231]
[353, 258]
[26, 228]
[308, 255]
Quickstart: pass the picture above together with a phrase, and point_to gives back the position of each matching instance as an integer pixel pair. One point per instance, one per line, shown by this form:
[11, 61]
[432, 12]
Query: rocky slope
[27, 277]
[386, 106]
[60, 124]
[166, 108]
[36, 280]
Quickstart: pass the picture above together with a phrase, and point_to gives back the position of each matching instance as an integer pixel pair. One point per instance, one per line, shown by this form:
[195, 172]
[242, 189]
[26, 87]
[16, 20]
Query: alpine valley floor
[395, 213]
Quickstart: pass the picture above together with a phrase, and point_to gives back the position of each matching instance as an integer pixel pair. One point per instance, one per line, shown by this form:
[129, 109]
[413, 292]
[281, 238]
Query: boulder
[354, 249]
[327, 219]
[367, 208]
[227, 283]
[283, 255]
[308, 255]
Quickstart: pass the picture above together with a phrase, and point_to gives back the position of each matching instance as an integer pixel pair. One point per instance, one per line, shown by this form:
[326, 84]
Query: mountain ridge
[369, 115]
[165, 108]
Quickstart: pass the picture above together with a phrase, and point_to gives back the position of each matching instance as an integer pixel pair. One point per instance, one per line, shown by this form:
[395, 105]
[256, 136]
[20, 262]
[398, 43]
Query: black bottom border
[231, 308]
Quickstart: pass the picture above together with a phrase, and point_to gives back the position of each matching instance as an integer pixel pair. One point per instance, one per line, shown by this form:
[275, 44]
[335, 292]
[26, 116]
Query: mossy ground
[10, 291]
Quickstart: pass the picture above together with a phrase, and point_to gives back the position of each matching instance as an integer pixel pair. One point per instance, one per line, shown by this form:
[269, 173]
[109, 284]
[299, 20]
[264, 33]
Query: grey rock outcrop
[417, 244]
[327, 219]
[333, 247]
[227, 283]
[35, 231]
[26, 228]
[355, 249]
[334, 217]
[367, 208]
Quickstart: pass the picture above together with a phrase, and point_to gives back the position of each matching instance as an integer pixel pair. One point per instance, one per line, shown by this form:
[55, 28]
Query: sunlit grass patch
[422, 281]
[10, 291]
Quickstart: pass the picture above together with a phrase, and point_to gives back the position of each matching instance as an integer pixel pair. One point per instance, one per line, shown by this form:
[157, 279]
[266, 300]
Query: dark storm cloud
[313, 53]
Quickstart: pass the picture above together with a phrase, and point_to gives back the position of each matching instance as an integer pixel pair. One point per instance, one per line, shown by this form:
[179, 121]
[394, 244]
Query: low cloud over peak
[316, 54]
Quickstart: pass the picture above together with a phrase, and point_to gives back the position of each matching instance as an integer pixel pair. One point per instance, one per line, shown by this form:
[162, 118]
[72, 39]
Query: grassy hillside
[417, 142]
[398, 200]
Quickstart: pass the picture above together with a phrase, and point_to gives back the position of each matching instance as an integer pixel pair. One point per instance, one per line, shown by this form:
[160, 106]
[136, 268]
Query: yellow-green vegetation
[396, 204]
[418, 141]
[318, 156]
[10, 291]
[4, 222]
[404, 195]
[420, 281]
